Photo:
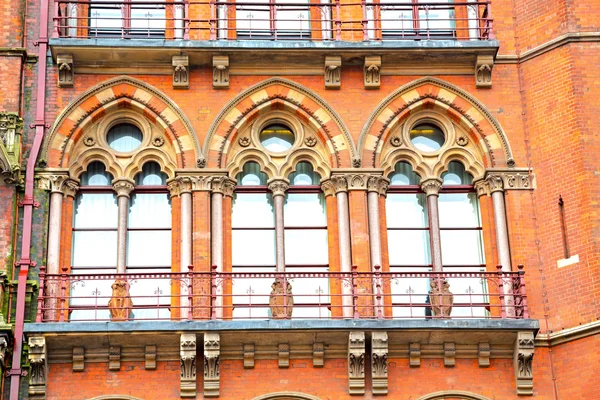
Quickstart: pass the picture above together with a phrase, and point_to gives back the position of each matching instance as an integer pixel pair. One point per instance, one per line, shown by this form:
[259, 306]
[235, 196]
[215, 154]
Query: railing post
[355, 292]
[378, 302]
[491, 35]
[212, 22]
[338, 20]
[186, 20]
[365, 23]
[42, 293]
[501, 290]
[213, 293]
[190, 292]
[55, 30]
[521, 278]
[63, 294]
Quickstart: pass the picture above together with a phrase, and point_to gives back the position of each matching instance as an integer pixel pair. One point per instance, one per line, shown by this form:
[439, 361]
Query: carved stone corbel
[333, 72]
[114, 358]
[523, 363]
[212, 353]
[356, 363]
[284, 355]
[78, 358]
[372, 72]
[379, 363]
[181, 72]
[449, 354]
[484, 354]
[65, 70]
[11, 128]
[187, 352]
[38, 362]
[483, 71]
[318, 355]
[220, 72]
[150, 357]
[414, 355]
[249, 356]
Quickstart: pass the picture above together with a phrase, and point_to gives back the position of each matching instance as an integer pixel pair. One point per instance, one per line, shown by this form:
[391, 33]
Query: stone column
[496, 187]
[278, 187]
[341, 194]
[375, 186]
[432, 187]
[123, 187]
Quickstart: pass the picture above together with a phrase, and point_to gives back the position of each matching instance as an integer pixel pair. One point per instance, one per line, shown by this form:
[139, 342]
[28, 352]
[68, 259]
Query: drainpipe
[28, 202]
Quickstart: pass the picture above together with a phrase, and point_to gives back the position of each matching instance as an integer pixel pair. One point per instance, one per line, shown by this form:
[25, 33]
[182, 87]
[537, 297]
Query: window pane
[253, 19]
[305, 209]
[252, 247]
[459, 210]
[306, 246]
[95, 210]
[462, 247]
[304, 175]
[150, 210]
[409, 247]
[438, 18]
[124, 137]
[148, 248]
[94, 249]
[151, 175]
[96, 175]
[406, 211]
[468, 293]
[396, 18]
[408, 292]
[253, 210]
[292, 20]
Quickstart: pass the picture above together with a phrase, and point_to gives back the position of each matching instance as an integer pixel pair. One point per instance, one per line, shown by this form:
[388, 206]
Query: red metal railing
[231, 296]
[350, 20]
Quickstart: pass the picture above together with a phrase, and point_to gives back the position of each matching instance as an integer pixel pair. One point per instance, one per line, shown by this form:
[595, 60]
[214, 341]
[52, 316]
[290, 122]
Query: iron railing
[324, 20]
[233, 296]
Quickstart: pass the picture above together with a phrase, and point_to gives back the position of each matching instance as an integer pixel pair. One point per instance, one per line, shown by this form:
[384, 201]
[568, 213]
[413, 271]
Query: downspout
[28, 202]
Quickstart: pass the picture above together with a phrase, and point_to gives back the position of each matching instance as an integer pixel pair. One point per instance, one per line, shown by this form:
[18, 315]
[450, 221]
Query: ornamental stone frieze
[356, 363]
[523, 363]
[208, 180]
[11, 127]
[359, 179]
[498, 179]
[212, 354]
[187, 350]
[38, 362]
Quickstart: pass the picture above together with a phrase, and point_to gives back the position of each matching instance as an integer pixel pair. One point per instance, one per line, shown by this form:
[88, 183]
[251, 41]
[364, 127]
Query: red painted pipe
[28, 201]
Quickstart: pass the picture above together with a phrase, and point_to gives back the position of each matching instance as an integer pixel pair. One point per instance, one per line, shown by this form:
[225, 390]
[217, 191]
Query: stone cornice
[567, 335]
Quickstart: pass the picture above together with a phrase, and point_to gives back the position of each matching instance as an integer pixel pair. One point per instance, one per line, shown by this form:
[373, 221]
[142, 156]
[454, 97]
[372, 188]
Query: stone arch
[453, 394]
[115, 94]
[286, 396]
[460, 106]
[279, 93]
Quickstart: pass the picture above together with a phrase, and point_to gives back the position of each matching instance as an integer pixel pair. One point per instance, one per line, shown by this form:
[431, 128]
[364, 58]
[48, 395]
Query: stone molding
[38, 362]
[150, 357]
[523, 363]
[11, 129]
[220, 72]
[283, 350]
[512, 178]
[318, 355]
[249, 356]
[78, 358]
[123, 187]
[379, 363]
[181, 71]
[567, 335]
[114, 358]
[333, 72]
[483, 351]
[449, 354]
[372, 72]
[356, 363]
[212, 354]
[187, 353]
[414, 354]
[66, 71]
[57, 182]
[278, 186]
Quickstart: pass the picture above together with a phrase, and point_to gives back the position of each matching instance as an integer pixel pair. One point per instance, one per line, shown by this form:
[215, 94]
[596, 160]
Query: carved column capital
[431, 186]
[495, 183]
[123, 187]
[223, 184]
[212, 353]
[340, 184]
[187, 350]
[379, 361]
[481, 187]
[356, 363]
[523, 363]
[328, 187]
[279, 186]
[512, 178]
[38, 361]
[58, 182]
[180, 184]
[379, 184]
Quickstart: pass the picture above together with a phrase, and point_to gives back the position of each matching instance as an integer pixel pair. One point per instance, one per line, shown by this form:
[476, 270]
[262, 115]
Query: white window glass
[253, 247]
[148, 20]
[306, 247]
[106, 18]
[277, 138]
[397, 18]
[437, 18]
[253, 20]
[311, 295]
[292, 20]
[286, 19]
[251, 295]
[124, 137]
[409, 293]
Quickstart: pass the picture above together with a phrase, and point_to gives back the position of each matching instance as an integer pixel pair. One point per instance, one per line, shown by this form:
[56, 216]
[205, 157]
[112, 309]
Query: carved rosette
[372, 72]
[65, 70]
[431, 186]
[212, 351]
[120, 304]
[441, 298]
[220, 72]
[123, 187]
[279, 187]
[356, 363]
[39, 368]
[379, 362]
[187, 350]
[281, 302]
[523, 363]
[333, 72]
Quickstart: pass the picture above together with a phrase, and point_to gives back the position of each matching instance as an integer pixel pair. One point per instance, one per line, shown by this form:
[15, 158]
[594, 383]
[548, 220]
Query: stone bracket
[284, 355]
[220, 72]
[150, 357]
[449, 354]
[356, 363]
[414, 354]
[38, 361]
[484, 354]
[333, 72]
[523, 363]
[11, 128]
[78, 358]
[483, 71]
[372, 72]
[65, 68]
[187, 352]
[114, 358]
[181, 72]
[379, 363]
[318, 355]
[249, 356]
[212, 354]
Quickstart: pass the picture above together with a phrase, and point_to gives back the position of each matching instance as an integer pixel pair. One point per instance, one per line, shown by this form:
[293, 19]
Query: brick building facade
[299, 200]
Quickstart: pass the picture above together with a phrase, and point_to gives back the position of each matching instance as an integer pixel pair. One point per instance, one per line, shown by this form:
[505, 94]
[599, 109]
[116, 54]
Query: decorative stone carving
[483, 71]
[340, 184]
[78, 358]
[212, 352]
[379, 362]
[310, 141]
[449, 354]
[281, 302]
[366, 180]
[114, 358]
[284, 355]
[249, 356]
[220, 72]
[244, 141]
[378, 184]
[318, 355]
[462, 140]
[222, 184]
[328, 187]
[187, 378]
[3, 345]
[89, 141]
[431, 186]
[523, 363]
[158, 141]
[11, 127]
[356, 363]
[279, 187]
[333, 72]
[120, 304]
[65, 70]
[481, 187]
[356, 162]
[181, 73]
[181, 184]
[513, 178]
[484, 354]
[396, 141]
[123, 187]
[414, 354]
[495, 183]
[57, 181]
[39, 368]
[150, 357]
[441, 298]
[372, 72]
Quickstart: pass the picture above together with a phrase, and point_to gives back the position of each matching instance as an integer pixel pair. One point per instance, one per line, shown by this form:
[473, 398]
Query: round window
[124, 137]
[427, 137]
[277, 138]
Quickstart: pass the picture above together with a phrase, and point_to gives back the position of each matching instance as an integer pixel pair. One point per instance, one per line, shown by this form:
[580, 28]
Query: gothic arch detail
[460, 107]
[452, 395]
[286, 396]
[279, 94]
[121, 93]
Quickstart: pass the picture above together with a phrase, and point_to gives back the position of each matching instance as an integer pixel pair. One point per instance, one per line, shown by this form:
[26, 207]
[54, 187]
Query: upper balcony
[112, 33]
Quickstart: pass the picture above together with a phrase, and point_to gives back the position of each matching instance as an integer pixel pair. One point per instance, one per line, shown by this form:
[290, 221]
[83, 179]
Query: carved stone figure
[281, 303]
[441, 298]
[120, 304]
